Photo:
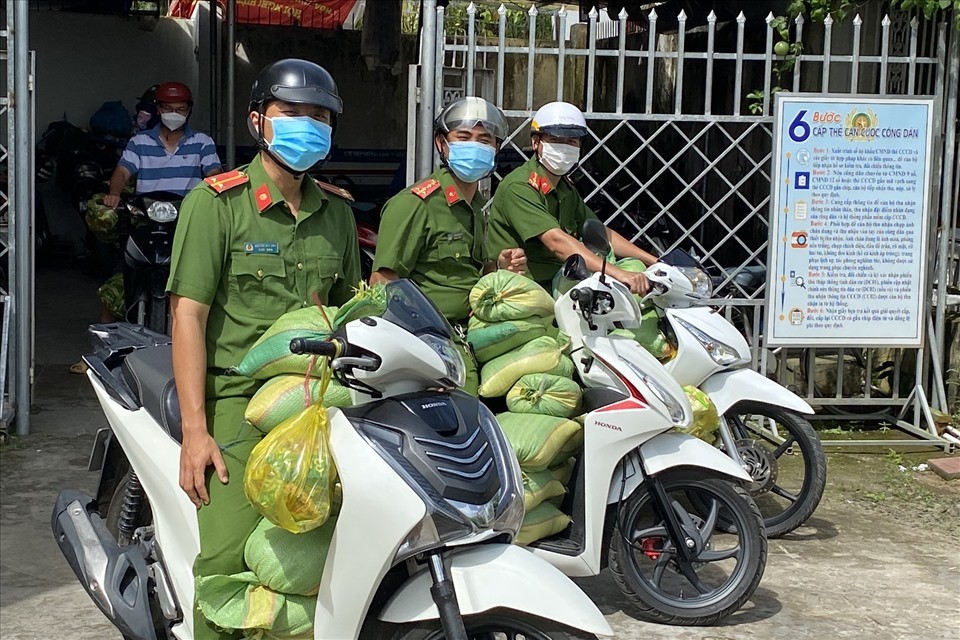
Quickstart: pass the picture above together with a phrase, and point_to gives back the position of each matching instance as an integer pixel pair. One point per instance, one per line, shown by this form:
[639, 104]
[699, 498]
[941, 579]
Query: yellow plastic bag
[290, 474]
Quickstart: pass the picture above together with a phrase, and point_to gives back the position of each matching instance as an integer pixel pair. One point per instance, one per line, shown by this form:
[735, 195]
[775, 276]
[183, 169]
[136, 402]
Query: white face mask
[559, 158]
[173, 120]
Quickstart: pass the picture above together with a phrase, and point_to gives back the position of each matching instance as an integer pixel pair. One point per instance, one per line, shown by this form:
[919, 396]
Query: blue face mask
[299, 141]
[471, 161]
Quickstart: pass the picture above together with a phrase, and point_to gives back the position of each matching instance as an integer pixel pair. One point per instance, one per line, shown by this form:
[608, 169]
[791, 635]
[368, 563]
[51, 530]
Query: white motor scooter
[761, 423]
[645, 498]
[432, 497]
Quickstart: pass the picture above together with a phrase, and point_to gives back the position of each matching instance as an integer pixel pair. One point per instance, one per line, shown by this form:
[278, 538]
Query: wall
[374, 101]
[83, 60]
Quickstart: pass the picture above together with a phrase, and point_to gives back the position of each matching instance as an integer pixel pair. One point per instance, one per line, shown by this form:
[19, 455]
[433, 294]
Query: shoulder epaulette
[425, 188]
[223, 181]
[335, 190]
[539, 182]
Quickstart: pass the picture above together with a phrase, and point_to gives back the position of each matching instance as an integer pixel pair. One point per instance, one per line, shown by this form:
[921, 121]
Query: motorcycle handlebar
[328, 348]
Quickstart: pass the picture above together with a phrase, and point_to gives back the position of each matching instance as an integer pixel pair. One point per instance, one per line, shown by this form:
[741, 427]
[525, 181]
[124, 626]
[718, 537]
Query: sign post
[849, 226]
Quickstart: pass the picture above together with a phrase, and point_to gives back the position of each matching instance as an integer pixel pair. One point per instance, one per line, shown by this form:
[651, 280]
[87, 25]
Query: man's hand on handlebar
[636, 282]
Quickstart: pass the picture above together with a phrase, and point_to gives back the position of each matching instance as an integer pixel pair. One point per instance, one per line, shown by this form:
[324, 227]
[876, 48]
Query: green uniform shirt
[430, 234]
[526, 206]
[239, 250]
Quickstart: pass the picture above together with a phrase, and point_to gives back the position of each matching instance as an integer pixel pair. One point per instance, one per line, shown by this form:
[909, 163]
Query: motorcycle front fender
[727, 388]
[500, 576]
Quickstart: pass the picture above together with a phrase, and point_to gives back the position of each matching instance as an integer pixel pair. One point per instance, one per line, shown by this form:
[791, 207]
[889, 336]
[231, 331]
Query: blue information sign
[848, 221]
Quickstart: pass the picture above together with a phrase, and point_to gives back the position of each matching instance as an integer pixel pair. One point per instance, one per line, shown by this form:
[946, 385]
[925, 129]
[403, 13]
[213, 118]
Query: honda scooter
[432, 496]
[646, 499]
[761, 423]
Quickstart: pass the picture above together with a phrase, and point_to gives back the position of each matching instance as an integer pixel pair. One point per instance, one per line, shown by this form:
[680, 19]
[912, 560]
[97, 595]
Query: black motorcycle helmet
[297, 82]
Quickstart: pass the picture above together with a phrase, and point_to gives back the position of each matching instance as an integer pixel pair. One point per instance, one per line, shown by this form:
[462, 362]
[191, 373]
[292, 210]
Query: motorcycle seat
[149, 374]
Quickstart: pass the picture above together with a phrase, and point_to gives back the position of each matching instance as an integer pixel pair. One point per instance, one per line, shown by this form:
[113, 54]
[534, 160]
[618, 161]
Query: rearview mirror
[574, 268]
[595, 237]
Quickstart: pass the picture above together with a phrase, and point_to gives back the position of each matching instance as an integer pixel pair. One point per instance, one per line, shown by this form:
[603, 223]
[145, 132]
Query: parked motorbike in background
[432, 496]
[645, 498]
[761, 423]
[147, 227]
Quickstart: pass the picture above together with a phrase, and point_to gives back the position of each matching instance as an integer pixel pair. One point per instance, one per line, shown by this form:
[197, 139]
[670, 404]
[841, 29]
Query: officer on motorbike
[537, 208]
[251, 245]
[433, 232]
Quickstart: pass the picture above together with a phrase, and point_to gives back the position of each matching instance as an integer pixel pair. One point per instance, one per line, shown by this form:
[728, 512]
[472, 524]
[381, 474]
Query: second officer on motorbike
[251, 245]
[434, 232]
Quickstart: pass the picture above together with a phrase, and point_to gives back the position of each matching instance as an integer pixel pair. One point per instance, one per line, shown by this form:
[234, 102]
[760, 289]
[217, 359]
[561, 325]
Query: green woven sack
[240, 603]
[545, 394]
[648, 334]
[289, 562]
[540, 441]
[649, 337]
[270, 355]
[111, 294]
[281, 398]
[504, 295]
[541, 355]
[539, 486]
[542, 522]
[368, 301]
[492, 339]
[563, 471]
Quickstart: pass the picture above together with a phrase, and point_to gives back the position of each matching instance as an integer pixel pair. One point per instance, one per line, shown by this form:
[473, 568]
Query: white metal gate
[679, 157]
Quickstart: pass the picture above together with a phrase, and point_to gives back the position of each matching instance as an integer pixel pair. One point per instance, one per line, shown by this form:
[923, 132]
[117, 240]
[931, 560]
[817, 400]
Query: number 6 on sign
[799, 130]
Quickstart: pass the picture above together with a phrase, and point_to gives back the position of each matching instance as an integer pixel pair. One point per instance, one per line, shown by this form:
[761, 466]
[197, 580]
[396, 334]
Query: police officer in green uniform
[433, 233]
[250, 246]
[537, 208]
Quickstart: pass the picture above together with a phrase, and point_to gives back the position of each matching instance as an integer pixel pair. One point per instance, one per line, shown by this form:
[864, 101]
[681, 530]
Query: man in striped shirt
[170, 157]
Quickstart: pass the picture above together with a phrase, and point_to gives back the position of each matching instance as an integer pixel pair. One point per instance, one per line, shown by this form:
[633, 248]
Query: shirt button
[259, 273]
[456, 255]
[300, 266]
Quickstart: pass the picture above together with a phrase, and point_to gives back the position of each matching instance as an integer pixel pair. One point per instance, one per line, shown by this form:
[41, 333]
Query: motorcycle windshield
[409, 309]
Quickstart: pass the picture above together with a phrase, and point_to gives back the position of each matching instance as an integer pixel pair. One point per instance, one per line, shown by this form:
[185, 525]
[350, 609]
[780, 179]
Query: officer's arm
[623, 248]
[383, 276]
[563, 245]
[190, 360]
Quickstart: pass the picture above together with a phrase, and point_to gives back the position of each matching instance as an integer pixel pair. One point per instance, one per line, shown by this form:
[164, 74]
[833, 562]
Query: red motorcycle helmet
[174, 92]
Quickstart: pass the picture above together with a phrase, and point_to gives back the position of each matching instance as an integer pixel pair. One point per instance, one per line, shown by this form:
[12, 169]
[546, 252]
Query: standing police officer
[250, 246]
[434, 232]
[537, 208]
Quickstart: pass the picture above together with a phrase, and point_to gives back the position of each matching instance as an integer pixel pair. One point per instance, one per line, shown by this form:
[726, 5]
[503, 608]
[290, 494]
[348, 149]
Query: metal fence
[680, 154]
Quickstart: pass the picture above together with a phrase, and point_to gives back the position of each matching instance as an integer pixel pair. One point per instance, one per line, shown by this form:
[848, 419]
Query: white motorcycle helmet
[560, 119]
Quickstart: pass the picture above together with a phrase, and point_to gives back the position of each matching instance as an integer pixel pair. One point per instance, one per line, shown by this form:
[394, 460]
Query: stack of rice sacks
[276, 599]
[521, 356]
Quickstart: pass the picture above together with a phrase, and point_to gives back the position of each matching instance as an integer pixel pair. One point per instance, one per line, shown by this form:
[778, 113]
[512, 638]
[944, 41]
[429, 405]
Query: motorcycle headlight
[679, 415]
[722, 353]
[452, 360]
[162, 211]
[701, 282]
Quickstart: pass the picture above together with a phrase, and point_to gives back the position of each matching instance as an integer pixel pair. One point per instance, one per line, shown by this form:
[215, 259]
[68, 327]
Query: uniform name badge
[261, 248]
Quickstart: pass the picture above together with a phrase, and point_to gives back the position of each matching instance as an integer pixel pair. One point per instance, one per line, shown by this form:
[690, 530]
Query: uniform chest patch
[271, 248]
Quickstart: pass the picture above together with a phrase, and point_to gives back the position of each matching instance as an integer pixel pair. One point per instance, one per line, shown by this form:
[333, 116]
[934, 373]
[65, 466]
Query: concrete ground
[880, 559]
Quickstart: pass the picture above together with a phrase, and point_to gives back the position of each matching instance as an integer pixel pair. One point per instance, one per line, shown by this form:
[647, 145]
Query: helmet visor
[470, 112]
[563, 130]
[308, 95]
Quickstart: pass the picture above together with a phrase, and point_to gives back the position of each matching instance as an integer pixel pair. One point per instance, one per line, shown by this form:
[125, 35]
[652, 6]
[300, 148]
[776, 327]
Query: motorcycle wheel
[727, 566]
[789, 476]
[112, 519]
[508, 625]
